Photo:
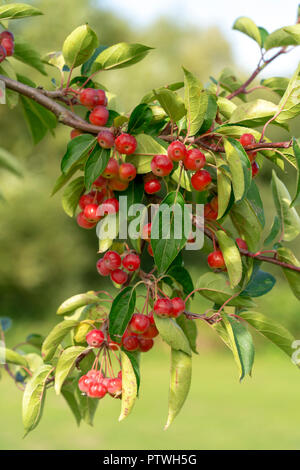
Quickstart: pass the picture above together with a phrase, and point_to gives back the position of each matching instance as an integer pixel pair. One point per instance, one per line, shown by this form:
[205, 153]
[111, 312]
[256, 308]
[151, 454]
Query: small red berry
[178, 306]
[102, 268]
[161, 165]
[8, 45]
[90, 97]
[91, 212]
[139, 323]
[109, 206]
[255, 169]
[247, 139]
[214, 204]
[112, 260]
[126, 143]
[130, 343]
[112, 169]
[201, 180]
[106, 139]
[100, 182]
[145, 344]
[99, 116]
[114, 387]
[6, 35]
[209, 213]
[241, 244]
[177, 151]
[97, 390]
[216, 260]
[2, 54]
[119, 374]
[146, 232]
[84, 383]
[152, 186]
[163, 307]
[194, 160]
[131, 262]
[82, 222]
[127, 172]
[95, 338]
[119, 276]
[75, 133]
[152, 331]
[117, 185]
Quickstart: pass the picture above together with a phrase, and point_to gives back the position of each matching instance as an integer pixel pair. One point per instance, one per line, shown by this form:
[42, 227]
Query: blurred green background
[46, 258]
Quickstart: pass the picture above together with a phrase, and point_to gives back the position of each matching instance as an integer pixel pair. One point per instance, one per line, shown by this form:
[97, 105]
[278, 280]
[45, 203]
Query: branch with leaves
[183, 145]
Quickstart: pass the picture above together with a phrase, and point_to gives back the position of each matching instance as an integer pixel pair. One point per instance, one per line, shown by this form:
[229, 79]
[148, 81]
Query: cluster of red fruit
[95, 385]
[249, 139]
[140, 333]
[114, 265]
[165, 307]
[6, 45]
[193, 159]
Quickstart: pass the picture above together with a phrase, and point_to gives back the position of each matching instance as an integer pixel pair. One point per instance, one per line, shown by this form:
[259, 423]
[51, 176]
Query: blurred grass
[220, 413]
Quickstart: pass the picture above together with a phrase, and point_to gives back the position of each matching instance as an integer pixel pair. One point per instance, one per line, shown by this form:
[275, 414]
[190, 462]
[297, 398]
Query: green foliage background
[46, 258]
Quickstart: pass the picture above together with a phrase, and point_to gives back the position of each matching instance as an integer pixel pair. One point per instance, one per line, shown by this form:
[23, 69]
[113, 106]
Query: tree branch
[46, 99]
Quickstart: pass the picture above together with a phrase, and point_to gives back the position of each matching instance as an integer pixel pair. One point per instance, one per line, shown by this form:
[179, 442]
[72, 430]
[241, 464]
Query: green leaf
[79, 46]
[77, 150]
[72, 195]
[255, 201]
[210, 114]
[189, 328]
[240, 168]
[39, 119]
[95, 165]
[184, 177]
[289, 218]
[29, 56]
[172, 334]
[254, 114]
[232, 257]
[35, 340]
[182, 277]
[241, 343]
[68, 392]
[55, 337]
[121, 312]
[260, 283]
[215, 287]
[274, 232]
[263, 34]
[280, 38]
[87, 406]
[63, 179]
[271, 330]
[65, 365]
[171, 103]
[293, 277]
[290, 101]
[14, 11]
[276, 84]
[247, 223]
[119, 56]
[129, 386]
[226, 107]
[79, 300]
[247, 26]
[139, 118]
[296, 149]
[167, 230]
[294, 31]
[12, 357]
[224, 186]
[56, 59]
[180, 381]
[230, 82]
[34, 361]
[34, 398]
[145, 145]
[134, 358]
[9, 162]
[196, 102]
